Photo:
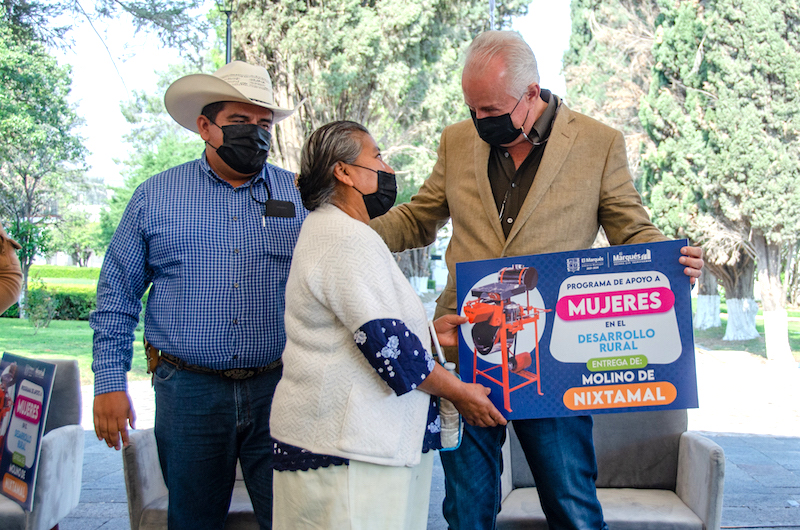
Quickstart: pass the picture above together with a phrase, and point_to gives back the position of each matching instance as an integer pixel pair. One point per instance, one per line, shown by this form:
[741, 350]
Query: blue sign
[590, 331]
[25, 387]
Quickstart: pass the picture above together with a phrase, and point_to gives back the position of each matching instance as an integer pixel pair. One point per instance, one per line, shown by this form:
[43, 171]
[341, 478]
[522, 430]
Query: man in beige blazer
[10, 271]
[525, 176]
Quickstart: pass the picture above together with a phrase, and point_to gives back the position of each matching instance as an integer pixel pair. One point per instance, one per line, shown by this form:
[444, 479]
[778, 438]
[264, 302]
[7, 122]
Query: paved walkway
[749, 406]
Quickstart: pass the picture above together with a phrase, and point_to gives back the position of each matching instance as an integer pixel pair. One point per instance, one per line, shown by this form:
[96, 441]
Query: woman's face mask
[245, 147]
[381, 201]
[498, 130]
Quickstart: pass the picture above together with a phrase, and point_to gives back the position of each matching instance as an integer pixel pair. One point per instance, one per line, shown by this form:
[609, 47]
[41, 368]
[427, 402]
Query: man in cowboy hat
[212, 239]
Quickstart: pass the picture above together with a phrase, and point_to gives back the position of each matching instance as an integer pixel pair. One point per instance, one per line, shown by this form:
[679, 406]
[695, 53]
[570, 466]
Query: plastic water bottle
[450, 418]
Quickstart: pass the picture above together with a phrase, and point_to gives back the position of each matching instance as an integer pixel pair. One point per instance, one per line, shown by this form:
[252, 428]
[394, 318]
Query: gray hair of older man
[521, 68]
[332, 143]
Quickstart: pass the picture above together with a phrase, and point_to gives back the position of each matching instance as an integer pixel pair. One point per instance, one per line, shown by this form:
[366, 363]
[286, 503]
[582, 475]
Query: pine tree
[723, 110]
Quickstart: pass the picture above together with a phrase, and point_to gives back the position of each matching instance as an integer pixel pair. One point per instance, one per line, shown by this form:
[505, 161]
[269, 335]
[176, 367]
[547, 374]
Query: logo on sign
[630, 259]
[573, 264]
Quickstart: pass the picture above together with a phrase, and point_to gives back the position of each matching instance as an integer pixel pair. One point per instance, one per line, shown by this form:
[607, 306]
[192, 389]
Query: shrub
[65, 271]
[40, 305]
[75, 302]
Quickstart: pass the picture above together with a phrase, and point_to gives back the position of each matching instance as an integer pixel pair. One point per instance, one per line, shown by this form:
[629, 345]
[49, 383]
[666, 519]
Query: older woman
[353, 417]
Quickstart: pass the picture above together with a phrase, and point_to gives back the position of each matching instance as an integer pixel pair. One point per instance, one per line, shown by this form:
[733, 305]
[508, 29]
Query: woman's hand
[476, 408]
[447, 329]
[470, 399]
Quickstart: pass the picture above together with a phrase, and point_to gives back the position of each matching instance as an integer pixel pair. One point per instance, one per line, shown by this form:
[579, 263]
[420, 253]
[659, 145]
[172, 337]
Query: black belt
[232, 373]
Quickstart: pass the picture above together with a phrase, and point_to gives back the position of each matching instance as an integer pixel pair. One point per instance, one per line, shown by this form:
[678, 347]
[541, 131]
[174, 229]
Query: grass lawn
[63, 339]
[723, 308]
[712, 339]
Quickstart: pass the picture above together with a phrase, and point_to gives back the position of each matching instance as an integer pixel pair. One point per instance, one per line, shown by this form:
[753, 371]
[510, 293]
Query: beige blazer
[583, 182]
[10, 271]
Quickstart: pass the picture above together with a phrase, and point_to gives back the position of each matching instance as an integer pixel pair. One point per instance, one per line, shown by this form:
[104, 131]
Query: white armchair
[652, 475]
[58, 482]
[147, 494]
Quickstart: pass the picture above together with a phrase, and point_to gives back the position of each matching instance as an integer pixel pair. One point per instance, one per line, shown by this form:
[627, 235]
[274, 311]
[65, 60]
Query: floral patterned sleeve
[395, 353]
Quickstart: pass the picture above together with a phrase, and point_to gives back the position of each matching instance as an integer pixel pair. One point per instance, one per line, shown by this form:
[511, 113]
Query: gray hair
[330, 144]
[521, 68]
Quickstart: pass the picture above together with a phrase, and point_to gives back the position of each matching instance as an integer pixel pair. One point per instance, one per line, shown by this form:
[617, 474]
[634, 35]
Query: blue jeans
[203, 424]
[560, 453]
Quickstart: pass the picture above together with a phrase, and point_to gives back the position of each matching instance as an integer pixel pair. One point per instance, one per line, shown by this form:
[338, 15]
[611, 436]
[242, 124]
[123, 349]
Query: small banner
[25, 387]
[584, 332]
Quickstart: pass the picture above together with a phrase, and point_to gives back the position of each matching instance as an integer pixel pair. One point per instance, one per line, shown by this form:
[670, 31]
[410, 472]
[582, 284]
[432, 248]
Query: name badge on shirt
[275, 208]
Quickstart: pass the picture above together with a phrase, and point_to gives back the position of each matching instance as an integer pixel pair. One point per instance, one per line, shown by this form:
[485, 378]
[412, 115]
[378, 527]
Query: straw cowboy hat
[236, 81]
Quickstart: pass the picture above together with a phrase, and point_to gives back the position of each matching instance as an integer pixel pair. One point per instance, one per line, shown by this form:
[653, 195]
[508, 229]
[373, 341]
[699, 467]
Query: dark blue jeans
[560, 453]
[203, 424]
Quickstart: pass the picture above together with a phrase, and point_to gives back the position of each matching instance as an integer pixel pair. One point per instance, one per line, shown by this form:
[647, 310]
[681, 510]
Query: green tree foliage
[723, 110]
[754, 68]
[608, 65]
[77, 237]
[608, 69]
[149, 120]
[675, 116]
[677, 184]
[173, 21]
[40, 154]
[393, 65]
[34, 239]
[157, 144]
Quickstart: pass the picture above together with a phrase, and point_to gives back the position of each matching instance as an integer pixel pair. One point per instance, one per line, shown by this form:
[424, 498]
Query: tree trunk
[776, 332]
[788, 270]
[414, 264]
[23, 294]
[773, 298]
[790, 273]
[738, 280]
[768, 255]
[707, 315]
[741, 319]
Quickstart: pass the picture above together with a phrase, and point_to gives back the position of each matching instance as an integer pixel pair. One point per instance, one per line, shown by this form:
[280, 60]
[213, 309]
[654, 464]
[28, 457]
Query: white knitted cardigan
[330, 400]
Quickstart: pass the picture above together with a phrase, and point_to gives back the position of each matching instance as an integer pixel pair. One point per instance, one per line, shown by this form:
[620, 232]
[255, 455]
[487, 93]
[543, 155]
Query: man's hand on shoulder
[693, 259]
[113, 412]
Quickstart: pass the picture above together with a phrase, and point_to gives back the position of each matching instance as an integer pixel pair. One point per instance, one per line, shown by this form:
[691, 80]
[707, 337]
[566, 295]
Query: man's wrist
[110, 381]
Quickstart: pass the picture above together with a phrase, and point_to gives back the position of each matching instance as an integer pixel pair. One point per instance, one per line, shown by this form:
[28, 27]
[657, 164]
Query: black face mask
[245, 147]
[381, 201]
[498, 130]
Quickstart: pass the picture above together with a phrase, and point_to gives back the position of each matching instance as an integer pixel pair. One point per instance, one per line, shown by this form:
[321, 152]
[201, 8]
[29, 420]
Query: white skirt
[358, 496]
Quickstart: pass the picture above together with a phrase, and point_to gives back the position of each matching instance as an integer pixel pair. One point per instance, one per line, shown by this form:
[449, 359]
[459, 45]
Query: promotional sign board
[25, 388]
[590, 331]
